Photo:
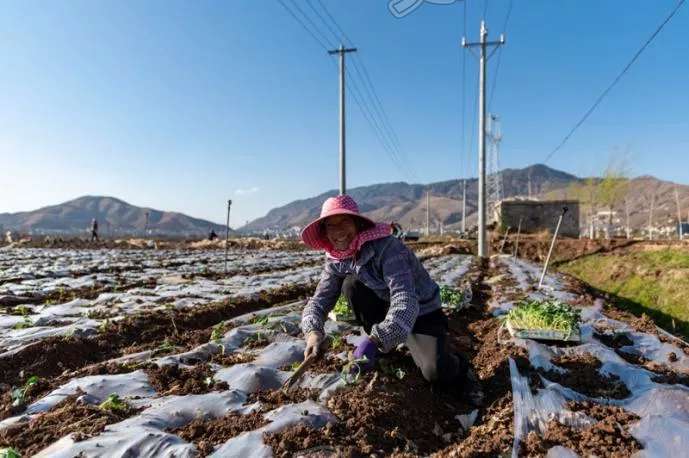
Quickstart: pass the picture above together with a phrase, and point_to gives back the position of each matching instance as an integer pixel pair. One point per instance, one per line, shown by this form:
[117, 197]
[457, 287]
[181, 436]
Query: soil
[185, 329]
[614, 340]
[368, 414]
[173, 380]
[70, 416]
[583, 376]
[608, 437]
[207, 434]
[33, 392]
[230, 359]
[490, 438]
[272, 399]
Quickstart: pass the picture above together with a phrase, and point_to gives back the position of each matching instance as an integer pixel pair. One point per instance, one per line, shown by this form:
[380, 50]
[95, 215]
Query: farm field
[160, 353]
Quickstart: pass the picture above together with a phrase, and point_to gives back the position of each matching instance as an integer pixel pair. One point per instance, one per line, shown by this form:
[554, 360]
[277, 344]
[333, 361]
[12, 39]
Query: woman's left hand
[368, 349]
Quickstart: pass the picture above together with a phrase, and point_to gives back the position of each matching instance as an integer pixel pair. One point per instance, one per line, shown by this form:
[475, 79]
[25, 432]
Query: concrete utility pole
[464, 208]
[342, 51]
[483, 44]
[628, 230]
[679, 215]
[428, 213]
[650, 216]
[227, 231]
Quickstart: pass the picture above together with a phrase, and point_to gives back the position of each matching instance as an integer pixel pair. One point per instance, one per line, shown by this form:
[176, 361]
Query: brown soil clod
[207, 434]
[173, 380]
[583, 376]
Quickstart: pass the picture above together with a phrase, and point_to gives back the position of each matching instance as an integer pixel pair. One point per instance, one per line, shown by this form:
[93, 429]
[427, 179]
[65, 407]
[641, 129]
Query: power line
[369, 95]
[303, 25]
[308, 18]
[614, 82]
[360, 67]
[497, 65]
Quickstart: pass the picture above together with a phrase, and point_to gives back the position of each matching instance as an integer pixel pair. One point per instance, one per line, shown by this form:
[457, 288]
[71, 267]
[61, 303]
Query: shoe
[471, 389]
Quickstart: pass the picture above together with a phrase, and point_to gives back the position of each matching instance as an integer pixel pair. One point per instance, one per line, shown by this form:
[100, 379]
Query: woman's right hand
[313, 344]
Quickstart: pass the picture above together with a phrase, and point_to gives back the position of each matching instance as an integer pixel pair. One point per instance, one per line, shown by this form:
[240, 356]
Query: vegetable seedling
[113, 403]
[25, 323]
[261, 320]
[19, 394]
[450, 297]
[548, 315]
[351, 372]
[9, 452]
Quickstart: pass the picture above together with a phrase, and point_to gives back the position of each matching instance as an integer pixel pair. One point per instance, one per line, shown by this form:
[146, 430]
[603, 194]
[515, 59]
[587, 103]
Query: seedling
[337, 341]
[209, 380]
[549, 315]
[21, 310]
[342, 307]
[261, 320]
[9, 452]
[104, 326]
[450, 297]
[351, 372]
[165, 347]
[113, 403]
[217, 333]
[294, 366]
[392, 371]
[256, 339]
[25, 323]
[19, 394]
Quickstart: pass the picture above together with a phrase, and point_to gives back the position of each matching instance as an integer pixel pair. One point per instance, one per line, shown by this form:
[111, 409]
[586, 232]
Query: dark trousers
[427, 342]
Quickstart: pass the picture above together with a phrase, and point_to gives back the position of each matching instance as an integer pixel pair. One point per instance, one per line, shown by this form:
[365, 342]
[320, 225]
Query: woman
[388, 289]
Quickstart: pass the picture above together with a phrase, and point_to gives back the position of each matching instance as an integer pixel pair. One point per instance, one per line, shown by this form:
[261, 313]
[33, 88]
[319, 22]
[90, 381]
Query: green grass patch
[652, 282]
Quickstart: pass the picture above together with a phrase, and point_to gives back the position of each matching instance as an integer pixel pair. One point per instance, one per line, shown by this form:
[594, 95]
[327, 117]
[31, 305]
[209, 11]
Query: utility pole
[342, 51]
[483, 44]
[650, 216]
[679, 215]
[428, 213]
[227, 232]
[626, 211]
[146, 225]
[464, 208]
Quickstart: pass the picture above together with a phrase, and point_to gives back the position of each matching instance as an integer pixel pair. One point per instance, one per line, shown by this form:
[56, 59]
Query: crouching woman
[386, 286]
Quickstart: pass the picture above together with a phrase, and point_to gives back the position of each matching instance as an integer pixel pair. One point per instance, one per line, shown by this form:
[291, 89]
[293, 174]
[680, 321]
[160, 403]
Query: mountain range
[401, 202]
[406, 203]
[114, 216]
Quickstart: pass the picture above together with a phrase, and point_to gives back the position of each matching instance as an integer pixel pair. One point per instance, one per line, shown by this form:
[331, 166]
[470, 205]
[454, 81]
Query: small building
[540, 215]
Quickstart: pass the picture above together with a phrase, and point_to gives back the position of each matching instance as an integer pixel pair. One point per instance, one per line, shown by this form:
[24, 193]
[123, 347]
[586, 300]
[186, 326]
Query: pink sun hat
[338, 205]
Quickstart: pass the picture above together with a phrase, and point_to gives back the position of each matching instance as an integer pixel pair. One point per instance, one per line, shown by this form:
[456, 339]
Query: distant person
[212, 235]
[390, 292]
[8, 237]
[94, 230]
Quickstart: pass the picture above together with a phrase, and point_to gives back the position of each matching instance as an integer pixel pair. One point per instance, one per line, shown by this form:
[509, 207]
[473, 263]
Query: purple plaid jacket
[393, 272]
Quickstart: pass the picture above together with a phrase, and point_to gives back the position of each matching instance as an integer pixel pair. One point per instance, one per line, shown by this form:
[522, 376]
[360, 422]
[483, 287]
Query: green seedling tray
[543, 334]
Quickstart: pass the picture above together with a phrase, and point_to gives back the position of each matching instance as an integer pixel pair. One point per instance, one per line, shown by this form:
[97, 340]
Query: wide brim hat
[313, 234]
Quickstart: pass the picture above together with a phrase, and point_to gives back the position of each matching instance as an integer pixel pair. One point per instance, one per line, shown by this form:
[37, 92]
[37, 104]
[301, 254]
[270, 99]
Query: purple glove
[366, 348]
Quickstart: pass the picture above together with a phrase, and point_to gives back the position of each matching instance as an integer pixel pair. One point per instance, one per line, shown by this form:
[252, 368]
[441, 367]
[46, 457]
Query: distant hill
[406, 203]
[115, 217]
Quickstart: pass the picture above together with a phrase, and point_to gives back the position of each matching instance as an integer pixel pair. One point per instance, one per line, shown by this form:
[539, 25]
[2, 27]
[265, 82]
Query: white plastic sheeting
[663, 428]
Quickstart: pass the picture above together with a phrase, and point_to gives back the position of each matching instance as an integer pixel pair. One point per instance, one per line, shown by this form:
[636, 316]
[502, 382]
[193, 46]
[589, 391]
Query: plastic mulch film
[532, 413]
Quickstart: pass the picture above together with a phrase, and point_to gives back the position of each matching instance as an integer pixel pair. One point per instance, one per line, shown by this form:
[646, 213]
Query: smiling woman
[390, 292]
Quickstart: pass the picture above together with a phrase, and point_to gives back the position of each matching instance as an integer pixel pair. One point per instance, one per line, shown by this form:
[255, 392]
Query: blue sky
[180, 105]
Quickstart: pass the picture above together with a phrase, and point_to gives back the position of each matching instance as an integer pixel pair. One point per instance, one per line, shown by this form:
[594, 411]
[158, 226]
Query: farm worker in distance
[388, 289]
[94, 229]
